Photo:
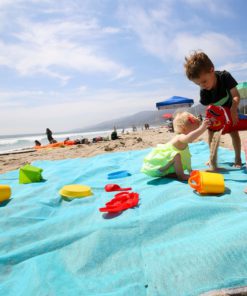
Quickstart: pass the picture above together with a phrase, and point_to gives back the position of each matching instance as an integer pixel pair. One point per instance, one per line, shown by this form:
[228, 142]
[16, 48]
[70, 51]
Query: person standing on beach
[49, 136]
[217, 88]
[114, 135]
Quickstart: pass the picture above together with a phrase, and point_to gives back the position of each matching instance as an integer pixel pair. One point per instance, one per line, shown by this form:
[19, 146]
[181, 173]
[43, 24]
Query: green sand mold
[30, 174]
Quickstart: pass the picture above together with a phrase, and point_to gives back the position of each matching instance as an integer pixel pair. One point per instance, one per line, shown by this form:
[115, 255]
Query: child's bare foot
[184, 177]
[213, 170]
[238, 163]
[212, 166]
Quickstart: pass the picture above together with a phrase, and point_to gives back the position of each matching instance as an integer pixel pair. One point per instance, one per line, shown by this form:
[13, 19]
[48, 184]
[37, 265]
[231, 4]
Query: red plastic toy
[221, 119]
[122, 201]
[115, 187]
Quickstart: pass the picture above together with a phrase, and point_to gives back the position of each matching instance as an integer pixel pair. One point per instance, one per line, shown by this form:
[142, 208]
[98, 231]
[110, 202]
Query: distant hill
[137, 119]
[153, 118]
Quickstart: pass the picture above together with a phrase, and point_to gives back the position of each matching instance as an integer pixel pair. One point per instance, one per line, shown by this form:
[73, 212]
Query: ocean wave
[10, 143]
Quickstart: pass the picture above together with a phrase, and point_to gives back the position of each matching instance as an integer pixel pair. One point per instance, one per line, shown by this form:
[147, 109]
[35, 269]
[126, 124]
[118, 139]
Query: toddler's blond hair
[181, 120]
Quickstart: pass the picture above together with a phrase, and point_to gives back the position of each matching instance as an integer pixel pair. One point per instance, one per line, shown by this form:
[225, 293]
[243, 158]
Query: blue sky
[70, 64]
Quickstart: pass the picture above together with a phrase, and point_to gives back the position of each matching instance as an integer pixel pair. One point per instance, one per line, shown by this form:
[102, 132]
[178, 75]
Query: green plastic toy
[30, 174]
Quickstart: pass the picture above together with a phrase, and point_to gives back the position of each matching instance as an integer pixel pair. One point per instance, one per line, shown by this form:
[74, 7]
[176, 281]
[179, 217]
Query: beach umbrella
[242, 89]
[167, 115]
[174, 102]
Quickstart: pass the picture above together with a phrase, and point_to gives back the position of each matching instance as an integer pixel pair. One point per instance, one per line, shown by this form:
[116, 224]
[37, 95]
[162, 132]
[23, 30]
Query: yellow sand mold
[75, 191]
[5, 192]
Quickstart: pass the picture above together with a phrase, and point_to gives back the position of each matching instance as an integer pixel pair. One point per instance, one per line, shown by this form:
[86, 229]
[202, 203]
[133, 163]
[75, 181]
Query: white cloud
[216, 7]
[76, 109]
[238, 70]
[52, 47]
[167, 37]
[68, 115]
[217, 46]
[235, 66]
[151, 26]
[82, 89]
[4, 3]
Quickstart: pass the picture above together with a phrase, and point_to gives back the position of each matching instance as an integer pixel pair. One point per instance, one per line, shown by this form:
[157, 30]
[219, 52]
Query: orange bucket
[207, 183]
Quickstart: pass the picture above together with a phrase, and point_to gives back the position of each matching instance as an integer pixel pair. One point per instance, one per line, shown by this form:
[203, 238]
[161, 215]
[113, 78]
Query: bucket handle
[194, 177]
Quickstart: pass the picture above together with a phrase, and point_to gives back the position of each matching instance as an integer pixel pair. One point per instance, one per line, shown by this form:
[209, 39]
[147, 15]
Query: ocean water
[10, 143]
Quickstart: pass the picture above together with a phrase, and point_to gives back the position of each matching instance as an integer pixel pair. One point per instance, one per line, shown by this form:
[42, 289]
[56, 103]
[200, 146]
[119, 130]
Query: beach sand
[133, 141]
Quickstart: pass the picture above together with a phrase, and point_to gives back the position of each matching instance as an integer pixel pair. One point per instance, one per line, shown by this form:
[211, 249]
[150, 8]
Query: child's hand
[206, 123]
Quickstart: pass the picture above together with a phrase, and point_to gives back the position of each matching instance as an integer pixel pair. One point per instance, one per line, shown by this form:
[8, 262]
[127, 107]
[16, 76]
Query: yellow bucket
[75, 191]
[5, 192]
[207, 183]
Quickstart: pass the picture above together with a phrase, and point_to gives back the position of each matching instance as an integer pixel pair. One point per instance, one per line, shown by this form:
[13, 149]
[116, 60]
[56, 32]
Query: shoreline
[138, 140]
[17, 151]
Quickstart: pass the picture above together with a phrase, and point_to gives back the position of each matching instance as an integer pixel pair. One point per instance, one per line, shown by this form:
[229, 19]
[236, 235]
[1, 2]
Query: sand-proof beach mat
[175, 243]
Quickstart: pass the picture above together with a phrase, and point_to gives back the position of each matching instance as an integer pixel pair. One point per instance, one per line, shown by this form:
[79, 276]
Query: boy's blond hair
[181, 120]
[197, 63]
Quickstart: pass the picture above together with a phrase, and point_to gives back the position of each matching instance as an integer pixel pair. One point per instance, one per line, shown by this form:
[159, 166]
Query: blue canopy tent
[174, 102]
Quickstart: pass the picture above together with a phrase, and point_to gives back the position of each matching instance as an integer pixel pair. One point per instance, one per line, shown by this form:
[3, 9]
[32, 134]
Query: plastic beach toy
[75, 191]
[115, 187]
[119, 174]
[205, 182]
[221, 119]
[122, 201]
[5, 192]
[30, 174]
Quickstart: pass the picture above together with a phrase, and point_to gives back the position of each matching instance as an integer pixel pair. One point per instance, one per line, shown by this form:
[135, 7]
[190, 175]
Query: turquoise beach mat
[174, 243]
